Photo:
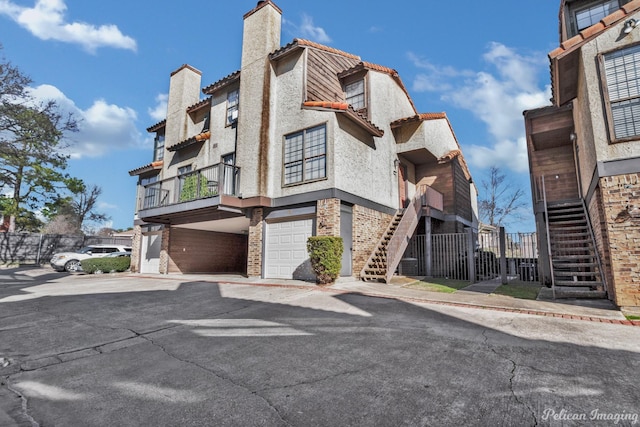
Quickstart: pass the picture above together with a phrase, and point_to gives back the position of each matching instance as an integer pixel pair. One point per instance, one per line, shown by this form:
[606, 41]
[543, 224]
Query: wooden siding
[440, 178]
[322, 75]
[462, 202]
[197, 251]
[557, 165]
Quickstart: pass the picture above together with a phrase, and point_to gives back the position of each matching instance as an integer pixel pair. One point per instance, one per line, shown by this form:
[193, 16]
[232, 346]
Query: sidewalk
[477, 295]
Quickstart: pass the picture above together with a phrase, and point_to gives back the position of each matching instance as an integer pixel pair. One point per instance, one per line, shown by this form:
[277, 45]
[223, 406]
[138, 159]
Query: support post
[503, 256]
[428, 250]
[471, 260]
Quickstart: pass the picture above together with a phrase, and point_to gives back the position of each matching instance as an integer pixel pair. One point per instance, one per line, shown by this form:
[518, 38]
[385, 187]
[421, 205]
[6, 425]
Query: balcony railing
[200, 184]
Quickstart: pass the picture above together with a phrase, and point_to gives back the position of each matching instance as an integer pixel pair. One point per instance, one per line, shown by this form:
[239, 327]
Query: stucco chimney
[261, 36]
[184, 91]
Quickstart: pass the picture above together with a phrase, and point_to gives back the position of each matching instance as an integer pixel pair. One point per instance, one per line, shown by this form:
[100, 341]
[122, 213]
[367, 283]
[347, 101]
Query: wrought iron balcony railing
[200, 184]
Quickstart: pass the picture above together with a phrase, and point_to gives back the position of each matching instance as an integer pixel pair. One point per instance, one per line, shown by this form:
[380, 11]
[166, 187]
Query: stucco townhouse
[584, 154]
[302, 140]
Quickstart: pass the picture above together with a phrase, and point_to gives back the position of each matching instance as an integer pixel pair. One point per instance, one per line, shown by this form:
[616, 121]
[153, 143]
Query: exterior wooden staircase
[577, 271]
[387, 255]
[376, 268]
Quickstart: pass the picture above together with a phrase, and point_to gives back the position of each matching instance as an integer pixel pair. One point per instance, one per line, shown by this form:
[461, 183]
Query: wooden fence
[33, 248]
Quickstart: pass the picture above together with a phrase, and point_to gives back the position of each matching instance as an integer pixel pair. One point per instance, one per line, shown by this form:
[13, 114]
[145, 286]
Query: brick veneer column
[328, 217]
[621, 200]
[164, 250]
[254, 256]
[136, 246]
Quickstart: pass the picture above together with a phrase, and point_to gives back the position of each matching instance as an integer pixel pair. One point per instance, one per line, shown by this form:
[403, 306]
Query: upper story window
[622, 75]
[587, 13]
[354, 93]
[233, 100]
[305, 155]
[158, 142]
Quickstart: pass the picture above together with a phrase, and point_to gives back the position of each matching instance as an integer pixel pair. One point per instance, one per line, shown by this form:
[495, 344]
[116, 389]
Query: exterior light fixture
[630, 25]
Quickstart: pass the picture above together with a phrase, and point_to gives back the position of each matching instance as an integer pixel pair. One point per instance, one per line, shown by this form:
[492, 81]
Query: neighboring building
[303, 140]
[584, 154]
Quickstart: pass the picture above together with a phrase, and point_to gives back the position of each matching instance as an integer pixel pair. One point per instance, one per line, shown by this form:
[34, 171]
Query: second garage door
[286, 250]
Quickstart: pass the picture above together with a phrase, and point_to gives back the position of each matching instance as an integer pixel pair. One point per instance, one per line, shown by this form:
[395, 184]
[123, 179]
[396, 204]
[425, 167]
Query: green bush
[105, 265]
[190, 190]
[325, 253]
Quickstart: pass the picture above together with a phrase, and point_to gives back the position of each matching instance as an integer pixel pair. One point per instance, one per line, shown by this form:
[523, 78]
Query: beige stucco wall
[589, 108]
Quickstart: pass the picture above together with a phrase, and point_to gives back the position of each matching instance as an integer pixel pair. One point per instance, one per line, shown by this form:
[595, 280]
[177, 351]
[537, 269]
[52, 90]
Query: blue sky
[482, 63]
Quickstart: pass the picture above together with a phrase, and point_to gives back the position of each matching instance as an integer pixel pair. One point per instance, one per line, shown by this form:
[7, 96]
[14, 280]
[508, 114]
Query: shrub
[325, 253]
[105, 265]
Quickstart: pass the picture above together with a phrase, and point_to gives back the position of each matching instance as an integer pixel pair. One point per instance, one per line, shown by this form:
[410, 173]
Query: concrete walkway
[477, 295]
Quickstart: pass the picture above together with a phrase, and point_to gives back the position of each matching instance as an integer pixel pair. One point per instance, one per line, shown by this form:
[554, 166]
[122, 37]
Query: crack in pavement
[514, 367]
[317, 380]
[24, 403]
[217, 375]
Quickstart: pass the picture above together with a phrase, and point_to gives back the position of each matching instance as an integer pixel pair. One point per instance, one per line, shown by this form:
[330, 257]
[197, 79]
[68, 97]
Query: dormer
[578, 15]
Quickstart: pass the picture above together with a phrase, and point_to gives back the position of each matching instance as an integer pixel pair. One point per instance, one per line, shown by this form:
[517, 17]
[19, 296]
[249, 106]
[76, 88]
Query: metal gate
[494, 254]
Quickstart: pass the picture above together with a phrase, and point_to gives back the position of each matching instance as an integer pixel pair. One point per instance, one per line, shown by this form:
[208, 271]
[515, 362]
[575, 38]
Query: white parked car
[70, 261]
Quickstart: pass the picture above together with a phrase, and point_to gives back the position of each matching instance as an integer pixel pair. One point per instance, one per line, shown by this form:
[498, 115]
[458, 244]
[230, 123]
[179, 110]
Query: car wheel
[72, 266]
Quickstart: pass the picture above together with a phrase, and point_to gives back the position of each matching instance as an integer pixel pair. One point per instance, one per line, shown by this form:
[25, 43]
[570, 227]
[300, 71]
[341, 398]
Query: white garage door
[286, 250]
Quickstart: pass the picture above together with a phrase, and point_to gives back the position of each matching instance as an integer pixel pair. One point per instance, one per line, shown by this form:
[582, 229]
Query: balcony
[191, 191]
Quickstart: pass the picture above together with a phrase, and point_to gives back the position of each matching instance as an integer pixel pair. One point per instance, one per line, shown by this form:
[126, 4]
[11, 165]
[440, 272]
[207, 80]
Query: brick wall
[136, 244]
[621, 200]
[164, 250]
[368, 227]
[254, 255]
[198, 251]
[328, 217]
[599, 224]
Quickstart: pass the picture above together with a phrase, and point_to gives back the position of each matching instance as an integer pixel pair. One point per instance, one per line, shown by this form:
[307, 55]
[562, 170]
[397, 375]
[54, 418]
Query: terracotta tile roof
[231, 78]
[199, 105]
[147, 168]
[190, 141]
[595, 30]
[341, 107]
[157, 126]
[296, 43]
[419, 118]
[450, 156]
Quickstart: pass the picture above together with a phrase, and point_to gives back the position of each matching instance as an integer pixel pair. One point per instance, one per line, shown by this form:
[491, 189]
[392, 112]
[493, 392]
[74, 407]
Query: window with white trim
[305, 155]
[354, 93]
[233, 101]
[622, 75]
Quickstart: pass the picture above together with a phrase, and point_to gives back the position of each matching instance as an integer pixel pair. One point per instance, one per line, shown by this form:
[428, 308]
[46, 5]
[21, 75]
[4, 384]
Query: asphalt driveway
[159, 351]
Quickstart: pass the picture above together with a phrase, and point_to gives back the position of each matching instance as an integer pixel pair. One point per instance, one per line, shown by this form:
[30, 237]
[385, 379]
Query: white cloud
[159, 112]
[102, 128]
[308, 30]
[46, 21]
[496, 97]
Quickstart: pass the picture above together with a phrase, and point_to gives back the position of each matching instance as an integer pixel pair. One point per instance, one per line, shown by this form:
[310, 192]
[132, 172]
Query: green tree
[31, 142]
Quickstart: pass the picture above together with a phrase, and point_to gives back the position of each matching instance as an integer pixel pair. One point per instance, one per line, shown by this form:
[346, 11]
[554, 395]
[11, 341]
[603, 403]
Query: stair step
[570, 241]
[565, 203]
[575, 265]
[579, 293]
[579, 216]
[568, 223]
[578, 235]
[557, 273]
[572, 257]
[585, 283]
[565, 209]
